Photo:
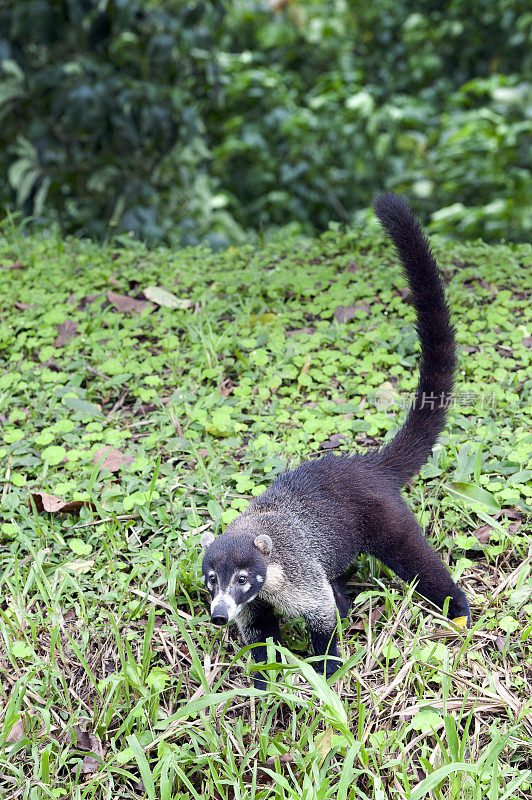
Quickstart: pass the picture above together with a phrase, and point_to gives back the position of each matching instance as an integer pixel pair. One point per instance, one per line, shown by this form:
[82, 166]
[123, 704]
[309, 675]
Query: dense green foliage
[103, 627]
[188, 121]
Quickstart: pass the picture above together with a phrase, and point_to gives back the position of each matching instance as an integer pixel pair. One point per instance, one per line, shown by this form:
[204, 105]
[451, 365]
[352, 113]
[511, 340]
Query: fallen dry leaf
[483, 533]
[49, 502]
[306, 366]
[85, 740]
[354, 267]
[25, 723]
[226, 387]
[500, 641]
[113, 460]
[297, 331]
[22, 306]
[283, 758]
[324, 741]
[345, 313]
[66, 331]
[162, 297]
[88, 300]
[124, 303]
[375, 615]
[512, 513]
[513, 527]
[333, 441]
[527, 341]
[80, 566]
[17, 731]
[460, 622]
[404, 293]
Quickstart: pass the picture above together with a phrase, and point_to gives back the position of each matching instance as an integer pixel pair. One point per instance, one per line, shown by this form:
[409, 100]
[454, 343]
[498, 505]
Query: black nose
[220, 619]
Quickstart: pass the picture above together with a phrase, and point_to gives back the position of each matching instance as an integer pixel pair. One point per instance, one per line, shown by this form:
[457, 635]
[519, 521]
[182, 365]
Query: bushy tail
[404, 456]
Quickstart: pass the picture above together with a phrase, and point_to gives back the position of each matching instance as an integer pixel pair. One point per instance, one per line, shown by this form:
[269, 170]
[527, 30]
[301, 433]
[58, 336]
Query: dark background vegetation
[205, 121]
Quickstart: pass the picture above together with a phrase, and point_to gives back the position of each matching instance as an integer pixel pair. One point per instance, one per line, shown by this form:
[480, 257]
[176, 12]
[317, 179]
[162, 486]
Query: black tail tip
[391, 209]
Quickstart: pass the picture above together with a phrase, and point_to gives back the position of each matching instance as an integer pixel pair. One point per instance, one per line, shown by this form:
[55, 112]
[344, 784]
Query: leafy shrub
[188, 121]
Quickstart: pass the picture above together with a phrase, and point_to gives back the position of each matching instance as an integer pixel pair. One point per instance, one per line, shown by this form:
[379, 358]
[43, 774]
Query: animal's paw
[459, 611]
[332, 665]
[260, 682]
[460, 622]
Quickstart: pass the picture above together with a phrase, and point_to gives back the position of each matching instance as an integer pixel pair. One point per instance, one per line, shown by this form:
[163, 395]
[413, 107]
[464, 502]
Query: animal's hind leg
[340, 596]
[403, 547]
[256, 623]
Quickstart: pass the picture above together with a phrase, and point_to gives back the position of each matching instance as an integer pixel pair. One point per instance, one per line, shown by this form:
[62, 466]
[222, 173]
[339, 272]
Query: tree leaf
[472, 495]
[82, 406]
[21, 649]
[426, 720]
[53, 454]
[79, 547]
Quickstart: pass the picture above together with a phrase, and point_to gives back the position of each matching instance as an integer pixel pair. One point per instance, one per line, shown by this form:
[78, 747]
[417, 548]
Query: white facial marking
[260, 579]
[227, 603]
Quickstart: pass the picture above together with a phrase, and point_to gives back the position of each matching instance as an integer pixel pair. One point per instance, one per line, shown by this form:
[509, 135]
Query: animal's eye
[242, 579]
[212, 579]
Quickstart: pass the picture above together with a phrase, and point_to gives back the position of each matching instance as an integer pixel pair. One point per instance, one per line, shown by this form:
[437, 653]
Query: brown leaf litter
[66, 331]
[346, 313]
[112, 459]
[49, 502]
[124, 303]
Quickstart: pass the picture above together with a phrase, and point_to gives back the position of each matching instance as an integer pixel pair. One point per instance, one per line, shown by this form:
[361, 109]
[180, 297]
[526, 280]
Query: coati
[289, 550]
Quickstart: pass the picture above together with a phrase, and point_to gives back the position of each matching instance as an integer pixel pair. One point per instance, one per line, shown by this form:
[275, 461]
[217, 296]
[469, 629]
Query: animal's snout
[223, 609]
[220, 611]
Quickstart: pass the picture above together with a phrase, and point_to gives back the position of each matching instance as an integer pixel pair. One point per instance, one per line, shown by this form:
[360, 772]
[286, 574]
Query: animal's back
[333, 502]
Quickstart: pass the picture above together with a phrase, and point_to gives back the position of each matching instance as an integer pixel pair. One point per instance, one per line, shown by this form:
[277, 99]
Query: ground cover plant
[145, 397]
[207, 120]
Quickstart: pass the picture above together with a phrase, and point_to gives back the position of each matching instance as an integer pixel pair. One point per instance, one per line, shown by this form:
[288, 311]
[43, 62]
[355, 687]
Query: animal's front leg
[256, 623]
[340, 596]
[322, 622]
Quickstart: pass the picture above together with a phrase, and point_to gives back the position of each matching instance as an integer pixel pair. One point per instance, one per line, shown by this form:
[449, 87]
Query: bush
[198, 121]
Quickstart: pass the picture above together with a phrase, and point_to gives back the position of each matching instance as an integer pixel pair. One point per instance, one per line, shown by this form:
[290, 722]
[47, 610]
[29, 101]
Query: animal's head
[234, 571]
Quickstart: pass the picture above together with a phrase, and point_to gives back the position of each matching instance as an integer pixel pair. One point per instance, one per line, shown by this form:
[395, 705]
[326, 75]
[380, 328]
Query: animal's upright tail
[404, 456]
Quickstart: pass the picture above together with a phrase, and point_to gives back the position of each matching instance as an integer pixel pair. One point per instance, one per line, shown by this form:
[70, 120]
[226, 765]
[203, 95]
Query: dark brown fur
[313, 521]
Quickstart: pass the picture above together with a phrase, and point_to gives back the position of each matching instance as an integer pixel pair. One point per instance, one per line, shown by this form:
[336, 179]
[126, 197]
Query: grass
[114, 683]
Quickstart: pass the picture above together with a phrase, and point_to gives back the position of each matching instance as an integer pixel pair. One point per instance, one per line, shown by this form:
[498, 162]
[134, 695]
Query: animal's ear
[264, 543]
[207, 539]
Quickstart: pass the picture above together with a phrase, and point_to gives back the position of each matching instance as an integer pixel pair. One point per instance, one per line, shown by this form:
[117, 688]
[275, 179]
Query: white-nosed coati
[291, 547]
